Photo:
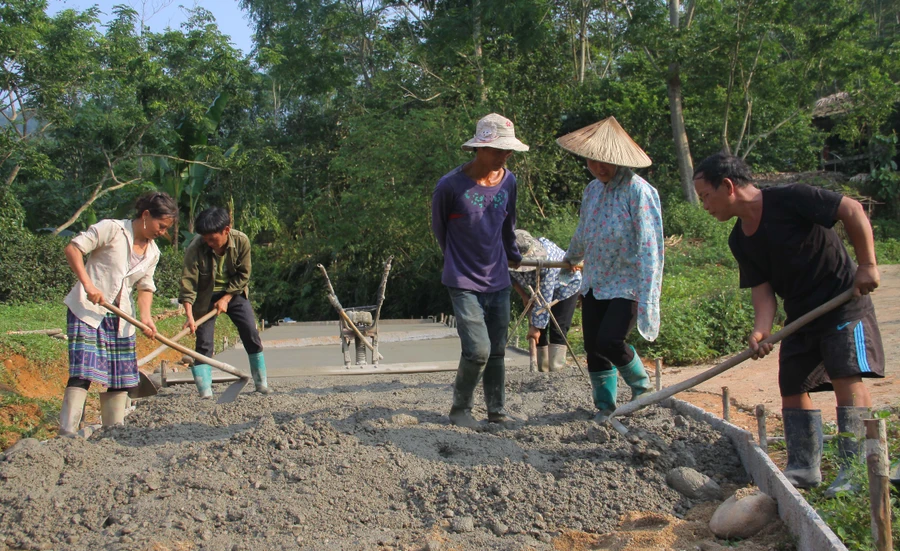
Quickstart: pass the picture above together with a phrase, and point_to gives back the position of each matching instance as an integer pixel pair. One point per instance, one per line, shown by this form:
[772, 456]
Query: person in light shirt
[620, 239]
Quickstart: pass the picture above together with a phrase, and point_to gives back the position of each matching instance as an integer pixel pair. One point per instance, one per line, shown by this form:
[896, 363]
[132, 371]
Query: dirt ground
[756, 382]
[369, 463]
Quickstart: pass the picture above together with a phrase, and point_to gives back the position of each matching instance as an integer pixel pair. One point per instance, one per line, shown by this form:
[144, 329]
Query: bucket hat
[605, 141]
[495, 131]
[530, 248]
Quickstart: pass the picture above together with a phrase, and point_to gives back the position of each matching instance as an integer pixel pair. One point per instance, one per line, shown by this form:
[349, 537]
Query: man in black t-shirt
[785, 245]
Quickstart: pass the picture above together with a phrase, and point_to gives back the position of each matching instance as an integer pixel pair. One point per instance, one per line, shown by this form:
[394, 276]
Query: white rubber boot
[558, 357]
[71, 411]
[543, 359]
[112, 407]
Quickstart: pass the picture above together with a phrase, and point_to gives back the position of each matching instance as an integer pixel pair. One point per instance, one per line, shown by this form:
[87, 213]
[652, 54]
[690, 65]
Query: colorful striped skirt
[100, 355]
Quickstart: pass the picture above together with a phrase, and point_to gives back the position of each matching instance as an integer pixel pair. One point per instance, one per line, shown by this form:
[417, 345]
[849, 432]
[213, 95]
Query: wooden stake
[658, 374]
[726, 404]
[48, 332]
[761, 427]
[879, 483]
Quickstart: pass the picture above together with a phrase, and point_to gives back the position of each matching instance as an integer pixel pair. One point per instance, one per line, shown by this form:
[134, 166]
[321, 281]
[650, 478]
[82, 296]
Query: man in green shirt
[216, 275]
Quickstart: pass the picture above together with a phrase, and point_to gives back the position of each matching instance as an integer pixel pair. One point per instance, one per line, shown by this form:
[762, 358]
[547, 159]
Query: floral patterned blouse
[620, 239]
[556, 284]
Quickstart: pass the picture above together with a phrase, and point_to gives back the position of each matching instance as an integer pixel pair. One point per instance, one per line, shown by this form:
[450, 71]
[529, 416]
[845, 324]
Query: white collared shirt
[109, 244]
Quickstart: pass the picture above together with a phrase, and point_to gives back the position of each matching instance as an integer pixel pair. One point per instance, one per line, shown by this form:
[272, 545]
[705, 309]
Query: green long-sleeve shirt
[198, 275]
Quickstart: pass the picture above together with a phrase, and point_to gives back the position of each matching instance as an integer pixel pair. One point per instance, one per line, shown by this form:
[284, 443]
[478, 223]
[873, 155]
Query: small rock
[463, 524]
[403, 419]
[206, 535]
[499, 529]
[693, 484]
[681, 422]
[743, 515]
[433, 545]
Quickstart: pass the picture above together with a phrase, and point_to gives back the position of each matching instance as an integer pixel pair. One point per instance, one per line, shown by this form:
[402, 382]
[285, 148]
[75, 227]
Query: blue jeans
[482, 321]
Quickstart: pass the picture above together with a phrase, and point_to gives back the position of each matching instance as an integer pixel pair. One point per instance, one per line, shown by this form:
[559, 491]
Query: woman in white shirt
[122, 256]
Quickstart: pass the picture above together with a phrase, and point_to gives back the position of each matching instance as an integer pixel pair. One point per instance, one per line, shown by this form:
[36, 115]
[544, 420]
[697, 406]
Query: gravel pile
[352, 463]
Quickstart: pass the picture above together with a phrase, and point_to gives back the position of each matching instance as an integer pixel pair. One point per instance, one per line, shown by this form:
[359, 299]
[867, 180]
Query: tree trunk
[679, 134]
[585, 11]
[12, 176]
[476, 35]
[676, 110]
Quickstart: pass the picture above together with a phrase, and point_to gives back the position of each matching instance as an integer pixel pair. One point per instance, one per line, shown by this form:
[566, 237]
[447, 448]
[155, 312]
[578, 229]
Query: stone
[403, 419]
[693, 484]
[463, 524]
[743, 514]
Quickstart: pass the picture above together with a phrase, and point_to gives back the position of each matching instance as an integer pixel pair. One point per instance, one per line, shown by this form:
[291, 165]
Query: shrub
[33, 268]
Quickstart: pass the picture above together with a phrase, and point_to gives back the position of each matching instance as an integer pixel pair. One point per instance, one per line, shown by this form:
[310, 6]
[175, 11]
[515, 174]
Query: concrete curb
[805, 524]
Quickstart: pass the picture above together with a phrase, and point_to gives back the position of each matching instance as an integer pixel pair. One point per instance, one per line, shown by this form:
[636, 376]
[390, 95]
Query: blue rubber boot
[258, 371]
[604, 385]
[203, 379]
[635, 375]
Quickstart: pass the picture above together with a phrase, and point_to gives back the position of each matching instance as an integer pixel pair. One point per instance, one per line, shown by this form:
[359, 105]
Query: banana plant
[185, 180]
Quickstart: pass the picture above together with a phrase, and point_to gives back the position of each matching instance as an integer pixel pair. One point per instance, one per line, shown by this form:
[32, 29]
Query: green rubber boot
[258, 371]
[203, 379]
[635, 375]
[604, 385]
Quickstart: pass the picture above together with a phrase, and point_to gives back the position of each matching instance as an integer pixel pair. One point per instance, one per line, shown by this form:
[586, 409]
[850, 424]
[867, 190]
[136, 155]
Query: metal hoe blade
[146, 387]
[231, 393]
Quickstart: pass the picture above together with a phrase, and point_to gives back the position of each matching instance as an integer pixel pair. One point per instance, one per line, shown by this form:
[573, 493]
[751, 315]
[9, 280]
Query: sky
[168, 13]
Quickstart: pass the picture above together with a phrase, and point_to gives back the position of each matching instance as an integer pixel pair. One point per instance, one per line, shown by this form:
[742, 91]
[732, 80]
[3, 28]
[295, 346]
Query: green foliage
[23, 426]
[168, 273]
[33, 268]
[885, 179]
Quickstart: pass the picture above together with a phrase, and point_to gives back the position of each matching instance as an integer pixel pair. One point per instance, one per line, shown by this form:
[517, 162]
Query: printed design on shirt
[480, 200]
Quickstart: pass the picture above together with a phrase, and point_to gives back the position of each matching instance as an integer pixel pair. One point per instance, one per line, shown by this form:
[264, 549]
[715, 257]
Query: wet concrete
[305, 349]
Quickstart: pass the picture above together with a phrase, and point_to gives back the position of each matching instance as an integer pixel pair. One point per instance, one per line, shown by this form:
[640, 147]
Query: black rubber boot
[803, 436]
[849, 421]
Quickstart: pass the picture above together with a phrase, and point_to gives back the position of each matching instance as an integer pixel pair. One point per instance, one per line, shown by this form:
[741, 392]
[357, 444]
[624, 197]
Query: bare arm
[852, 214]
[144, 302]
[764, 306]
[76, 262]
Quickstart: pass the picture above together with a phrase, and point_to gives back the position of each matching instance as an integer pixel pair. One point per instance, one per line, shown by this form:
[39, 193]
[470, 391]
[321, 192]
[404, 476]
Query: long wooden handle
[181, 334]
[789, 329]
[183, 349]
[533, 363]
[546, 264]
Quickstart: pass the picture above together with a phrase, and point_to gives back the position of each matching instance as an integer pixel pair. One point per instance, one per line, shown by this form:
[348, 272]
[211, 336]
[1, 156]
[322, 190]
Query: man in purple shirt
[474, 220]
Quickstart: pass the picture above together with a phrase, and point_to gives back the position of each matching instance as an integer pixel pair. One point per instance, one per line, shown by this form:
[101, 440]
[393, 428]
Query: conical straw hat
[605, 141]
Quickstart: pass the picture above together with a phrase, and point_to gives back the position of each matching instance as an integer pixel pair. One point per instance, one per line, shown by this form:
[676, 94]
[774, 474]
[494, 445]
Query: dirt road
[757, 382]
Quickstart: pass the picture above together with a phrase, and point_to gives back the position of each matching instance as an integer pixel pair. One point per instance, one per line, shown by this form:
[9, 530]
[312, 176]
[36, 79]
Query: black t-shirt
[796, 250]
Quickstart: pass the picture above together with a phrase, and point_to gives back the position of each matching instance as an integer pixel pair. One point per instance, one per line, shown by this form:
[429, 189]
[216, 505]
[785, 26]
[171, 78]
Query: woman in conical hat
[620, 239]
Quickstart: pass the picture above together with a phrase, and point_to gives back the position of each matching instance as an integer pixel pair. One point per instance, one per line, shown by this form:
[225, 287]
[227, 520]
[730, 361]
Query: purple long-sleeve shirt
[475, 226]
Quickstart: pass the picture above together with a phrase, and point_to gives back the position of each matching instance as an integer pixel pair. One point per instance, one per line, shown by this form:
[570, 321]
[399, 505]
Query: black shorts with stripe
[810, 358]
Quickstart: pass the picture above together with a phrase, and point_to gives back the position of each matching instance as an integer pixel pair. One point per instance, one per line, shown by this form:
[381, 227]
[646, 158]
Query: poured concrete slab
[313, 348]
